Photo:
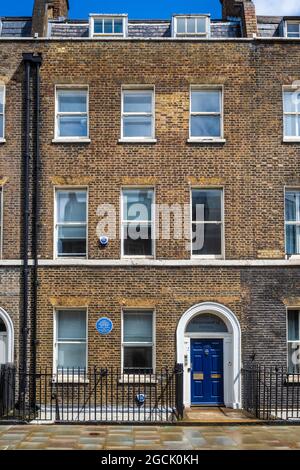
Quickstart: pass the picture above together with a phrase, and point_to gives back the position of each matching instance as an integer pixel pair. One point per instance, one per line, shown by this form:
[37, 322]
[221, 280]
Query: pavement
[126, 437]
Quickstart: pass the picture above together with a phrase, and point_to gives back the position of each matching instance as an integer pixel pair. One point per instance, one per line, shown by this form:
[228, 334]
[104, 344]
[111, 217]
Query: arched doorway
[209, 339]
[6, 338]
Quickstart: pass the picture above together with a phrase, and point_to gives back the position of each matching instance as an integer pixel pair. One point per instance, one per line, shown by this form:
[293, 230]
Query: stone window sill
[206, 141]
[291, 140]
[2, 141]
[207, 257]
[293, 379]
[70, 380]
[137, 141]
[71, 141]
[135, 379]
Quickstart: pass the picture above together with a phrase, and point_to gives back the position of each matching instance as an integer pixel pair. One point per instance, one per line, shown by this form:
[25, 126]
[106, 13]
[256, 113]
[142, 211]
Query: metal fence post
[179, 390]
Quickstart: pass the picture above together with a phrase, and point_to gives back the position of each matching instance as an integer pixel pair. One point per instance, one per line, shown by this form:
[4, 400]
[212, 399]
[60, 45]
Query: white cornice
[156, 263]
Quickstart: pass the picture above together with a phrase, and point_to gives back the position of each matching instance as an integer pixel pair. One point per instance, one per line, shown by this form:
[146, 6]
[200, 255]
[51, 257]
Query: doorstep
[216, 415]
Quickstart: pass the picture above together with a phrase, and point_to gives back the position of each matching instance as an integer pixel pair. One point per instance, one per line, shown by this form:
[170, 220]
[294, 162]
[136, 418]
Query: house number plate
[198, 376]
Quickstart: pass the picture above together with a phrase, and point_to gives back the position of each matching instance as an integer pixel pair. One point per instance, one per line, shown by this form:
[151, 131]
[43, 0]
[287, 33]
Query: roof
[141, 29]
[20, 27]
[15, 27]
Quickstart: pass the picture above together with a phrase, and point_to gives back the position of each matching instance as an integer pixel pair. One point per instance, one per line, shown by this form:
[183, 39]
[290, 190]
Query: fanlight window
[206, 323]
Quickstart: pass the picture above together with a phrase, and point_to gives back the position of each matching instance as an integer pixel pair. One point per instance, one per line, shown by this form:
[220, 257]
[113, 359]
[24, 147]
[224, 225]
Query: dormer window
[292, 29]
[108, 26]
[191, 26]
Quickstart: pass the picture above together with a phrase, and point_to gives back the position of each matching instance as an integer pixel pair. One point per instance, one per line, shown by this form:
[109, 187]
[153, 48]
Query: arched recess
[10, 334]
[232, 350]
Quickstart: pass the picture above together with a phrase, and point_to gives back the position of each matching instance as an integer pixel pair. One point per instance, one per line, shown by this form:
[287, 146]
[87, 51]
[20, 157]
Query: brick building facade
[245, 293]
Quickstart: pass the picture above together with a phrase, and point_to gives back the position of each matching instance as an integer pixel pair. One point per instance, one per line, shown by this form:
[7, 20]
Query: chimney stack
[244, 9]
[43, 10]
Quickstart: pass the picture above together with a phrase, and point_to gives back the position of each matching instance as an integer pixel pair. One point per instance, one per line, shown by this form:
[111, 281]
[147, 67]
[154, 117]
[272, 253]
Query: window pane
[292, 239]
[206, 101]
[1, 126]
[211, 200]
[206, 323]
[191, 25]
[71, 206]
[293, 28]
[1, 100]
[291, 99]
[71, 355]
[290, 125]
[205, 126]
[293, 325]
[2, 326]
[72, 101]
[71, 247]
[291, 198]
[71, 325]
[108, 27]
[137, 204]
[293, 357]
[137, 126]
[137, 240]
[208, 242]
[138, 102]
[138, 327]
[180, 25]
[118, 26]
[98, 26]
[201, 25]
[69, 233]
[72, 126]
[71, 241]
[137, 359]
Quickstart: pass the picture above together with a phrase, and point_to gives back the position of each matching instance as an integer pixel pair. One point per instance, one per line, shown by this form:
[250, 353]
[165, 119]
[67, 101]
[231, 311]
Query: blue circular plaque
[104, 326]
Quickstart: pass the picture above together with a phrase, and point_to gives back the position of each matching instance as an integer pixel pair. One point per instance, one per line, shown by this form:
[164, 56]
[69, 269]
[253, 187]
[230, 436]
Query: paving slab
[56, 437]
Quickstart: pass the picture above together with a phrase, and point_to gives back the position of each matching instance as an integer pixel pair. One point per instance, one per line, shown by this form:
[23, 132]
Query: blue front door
[207, 381]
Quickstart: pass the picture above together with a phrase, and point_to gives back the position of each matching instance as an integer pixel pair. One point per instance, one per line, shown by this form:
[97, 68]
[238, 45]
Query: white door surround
[232, 350]
[9, 340]
[3, 347]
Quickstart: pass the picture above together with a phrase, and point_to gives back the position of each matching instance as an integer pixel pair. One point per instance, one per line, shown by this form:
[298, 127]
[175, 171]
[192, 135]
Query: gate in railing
[271, 393]
[103, 395]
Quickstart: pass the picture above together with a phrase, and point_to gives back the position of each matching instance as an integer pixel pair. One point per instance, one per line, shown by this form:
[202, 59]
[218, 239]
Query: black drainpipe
[30, 60]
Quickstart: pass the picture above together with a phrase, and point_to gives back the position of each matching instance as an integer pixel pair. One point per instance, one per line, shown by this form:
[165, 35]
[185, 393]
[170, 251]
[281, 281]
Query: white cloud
[277, 7]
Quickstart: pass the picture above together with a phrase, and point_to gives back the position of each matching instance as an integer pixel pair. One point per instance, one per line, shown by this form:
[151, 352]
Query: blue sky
[152, 8]
[135, 9]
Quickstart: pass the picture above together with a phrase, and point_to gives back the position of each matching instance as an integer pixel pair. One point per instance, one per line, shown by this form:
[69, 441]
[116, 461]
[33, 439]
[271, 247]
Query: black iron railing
[7, 389]
[93, 395]
[271, 393]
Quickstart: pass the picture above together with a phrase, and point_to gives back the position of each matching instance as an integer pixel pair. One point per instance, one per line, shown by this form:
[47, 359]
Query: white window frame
[57, 225]
[71, 139]
[296, 138]
[140, 90]
[286, 190]
[153, 344]
[220, 138]
[1, 220]
[175, 34]
[289, 309]
[3, 91]
[286, 23]
[222, 223]
[103, 17]
[56, 342]
[124, 222]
